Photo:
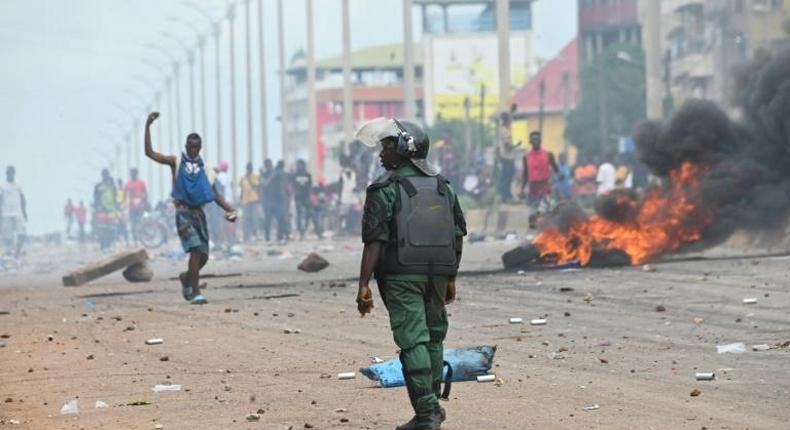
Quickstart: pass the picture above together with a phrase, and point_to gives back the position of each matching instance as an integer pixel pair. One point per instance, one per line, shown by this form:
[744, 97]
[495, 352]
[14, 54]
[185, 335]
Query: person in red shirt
[539, 166]
[136, 200]
[81, 214]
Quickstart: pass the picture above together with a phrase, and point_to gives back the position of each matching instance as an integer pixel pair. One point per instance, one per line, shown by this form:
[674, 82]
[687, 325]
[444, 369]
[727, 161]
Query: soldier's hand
[151, 118]
[450, 295]
[231, 216]
[364, 300]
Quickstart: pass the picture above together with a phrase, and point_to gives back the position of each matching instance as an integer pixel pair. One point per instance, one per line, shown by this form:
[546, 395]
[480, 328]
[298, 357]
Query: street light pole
[312, 125]
[409, 99]
[218, 102]
[503, 42]
[262, 67]
[348, 102]
[283, 66]
[233, 148]
[248, 77]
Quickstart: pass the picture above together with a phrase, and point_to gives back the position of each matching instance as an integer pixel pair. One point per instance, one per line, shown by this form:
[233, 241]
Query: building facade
[702, 41]
[603, 23]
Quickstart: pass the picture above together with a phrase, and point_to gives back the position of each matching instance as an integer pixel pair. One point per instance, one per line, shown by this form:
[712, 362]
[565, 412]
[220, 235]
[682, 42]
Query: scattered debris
[762, 347]
[538, 322]
[732, 348]
[486, 378]
[101, 405]
[347, 375]
[698, 320]
[252, 417]
[499, 382]
[313, 263]
[160, 388]
[138, 403]
[376, 360]
[588, 297]
[70, 407]
[2, 344]
[164, 358]
[566, 289]
[661, 308]
[516, 320]
[593, 407]
[105, 267]
[648, 268]
[695, 392]
[749, 301]
[157, 341]
[705, 376]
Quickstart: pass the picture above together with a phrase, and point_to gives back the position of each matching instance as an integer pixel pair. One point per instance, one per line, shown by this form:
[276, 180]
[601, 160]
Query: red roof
[527, 98]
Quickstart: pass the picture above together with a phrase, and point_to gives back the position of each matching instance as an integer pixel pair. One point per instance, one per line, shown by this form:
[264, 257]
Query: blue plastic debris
[467, 364]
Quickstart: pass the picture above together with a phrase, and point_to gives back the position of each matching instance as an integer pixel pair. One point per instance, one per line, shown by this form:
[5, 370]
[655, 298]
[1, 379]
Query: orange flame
[663, 221]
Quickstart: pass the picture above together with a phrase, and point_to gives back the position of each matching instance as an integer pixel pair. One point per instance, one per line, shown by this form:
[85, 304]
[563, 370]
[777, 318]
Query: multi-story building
[701, 42]
[377, 90]
[603, 23]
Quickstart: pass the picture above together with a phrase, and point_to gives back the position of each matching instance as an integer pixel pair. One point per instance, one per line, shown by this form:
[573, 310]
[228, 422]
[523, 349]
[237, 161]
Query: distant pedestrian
[250, 201]
[68, 216]
[106, 211]
[192, 190]
[277, 199]
[349, 199]
[13, 214]
[539, 166]
[302, 183]
[136, 202]
[584, 181]
[607, 175]
[562, 180]
[81, 215]
[506, 156]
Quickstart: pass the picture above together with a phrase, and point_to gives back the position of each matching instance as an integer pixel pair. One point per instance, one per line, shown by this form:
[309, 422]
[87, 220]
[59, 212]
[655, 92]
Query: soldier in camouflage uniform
[413, 230]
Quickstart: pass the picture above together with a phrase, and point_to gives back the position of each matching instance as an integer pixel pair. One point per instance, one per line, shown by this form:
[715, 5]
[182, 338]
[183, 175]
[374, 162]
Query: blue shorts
[192, 229]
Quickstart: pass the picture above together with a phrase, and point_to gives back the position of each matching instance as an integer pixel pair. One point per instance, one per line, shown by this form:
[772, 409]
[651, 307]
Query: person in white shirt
[13, 214]
[606, 176]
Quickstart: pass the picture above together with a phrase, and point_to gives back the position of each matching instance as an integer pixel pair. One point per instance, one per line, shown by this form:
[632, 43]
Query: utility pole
[191, 62]
[157, 107]
[503, 45]
[348, 102]
[312, 125]
[409, 99]
[283, 67]
[262, 67]
[218, 101]
[177, 85]
[170, 136]
[603, 103]
[566, 106]
[233, 147]
[542, 102]
[203, 122]
[468, 132]
[248, 59]
[651, 17]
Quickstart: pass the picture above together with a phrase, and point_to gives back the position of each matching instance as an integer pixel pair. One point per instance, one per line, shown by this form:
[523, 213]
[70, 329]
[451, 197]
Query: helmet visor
[377, 130]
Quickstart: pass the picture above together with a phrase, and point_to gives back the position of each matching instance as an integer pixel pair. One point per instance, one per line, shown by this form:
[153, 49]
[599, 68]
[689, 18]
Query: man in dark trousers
[413, 230]
[302, 183]
[192, 189]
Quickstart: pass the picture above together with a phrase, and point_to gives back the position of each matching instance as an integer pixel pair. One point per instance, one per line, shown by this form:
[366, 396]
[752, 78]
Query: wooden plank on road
[104, 267]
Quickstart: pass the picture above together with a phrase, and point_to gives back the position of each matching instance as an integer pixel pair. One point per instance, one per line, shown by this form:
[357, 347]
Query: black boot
[430, 421]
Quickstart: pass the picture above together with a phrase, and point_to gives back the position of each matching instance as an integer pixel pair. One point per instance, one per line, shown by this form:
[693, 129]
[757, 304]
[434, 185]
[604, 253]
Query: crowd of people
[275, 205]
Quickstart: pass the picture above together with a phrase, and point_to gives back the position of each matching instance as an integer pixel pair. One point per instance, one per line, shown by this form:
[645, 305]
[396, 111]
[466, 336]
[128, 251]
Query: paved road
[605, 344]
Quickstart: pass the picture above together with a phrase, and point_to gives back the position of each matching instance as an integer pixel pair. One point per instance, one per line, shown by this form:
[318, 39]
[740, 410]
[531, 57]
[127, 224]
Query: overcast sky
[73, 73]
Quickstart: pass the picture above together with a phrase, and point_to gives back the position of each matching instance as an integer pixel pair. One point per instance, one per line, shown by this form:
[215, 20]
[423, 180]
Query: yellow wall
[553, 134]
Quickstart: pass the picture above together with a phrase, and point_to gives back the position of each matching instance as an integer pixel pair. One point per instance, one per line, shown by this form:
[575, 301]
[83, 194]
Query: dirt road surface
[605, 343]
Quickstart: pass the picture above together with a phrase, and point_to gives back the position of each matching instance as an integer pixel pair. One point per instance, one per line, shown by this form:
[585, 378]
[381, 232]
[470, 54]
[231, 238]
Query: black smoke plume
[747, 181]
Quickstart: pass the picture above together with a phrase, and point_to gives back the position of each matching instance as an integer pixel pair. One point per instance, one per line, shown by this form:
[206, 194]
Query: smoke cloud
[747, 179]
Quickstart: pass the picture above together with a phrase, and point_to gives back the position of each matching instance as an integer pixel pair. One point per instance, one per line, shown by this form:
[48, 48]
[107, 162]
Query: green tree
[620, 73]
